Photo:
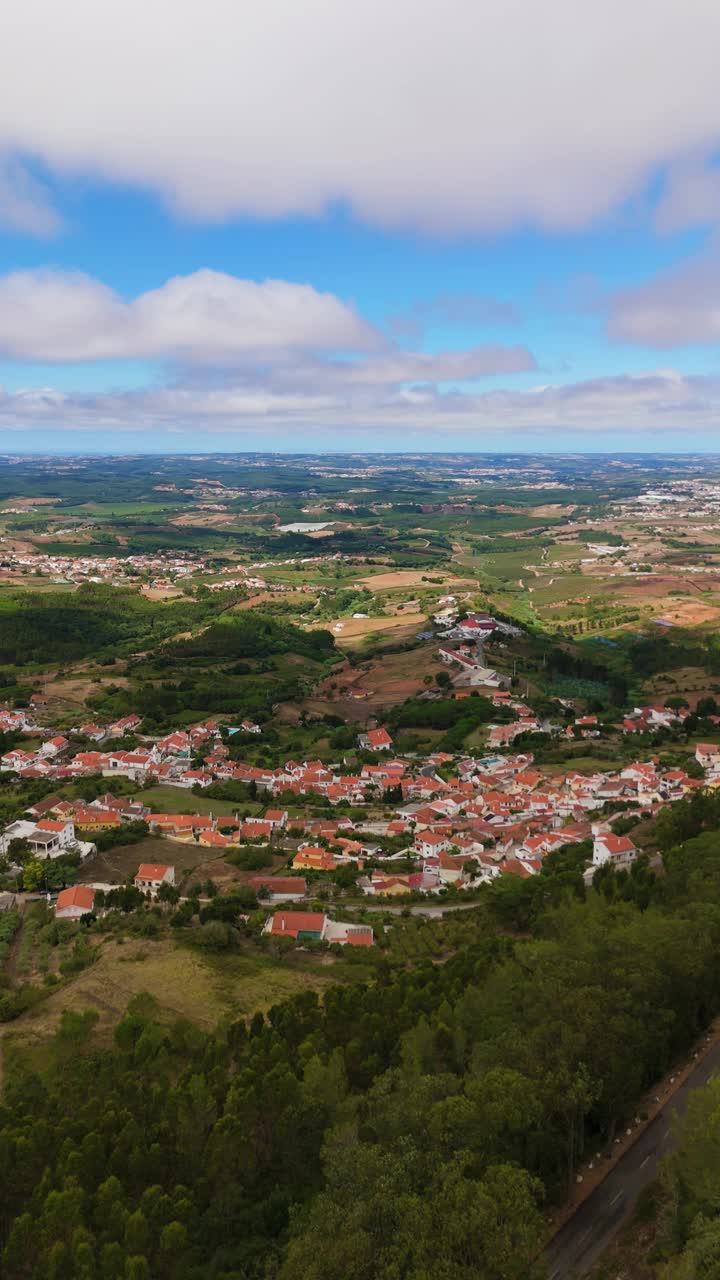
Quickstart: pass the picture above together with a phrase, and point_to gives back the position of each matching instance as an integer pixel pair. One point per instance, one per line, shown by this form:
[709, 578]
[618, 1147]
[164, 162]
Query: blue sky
[437, 227]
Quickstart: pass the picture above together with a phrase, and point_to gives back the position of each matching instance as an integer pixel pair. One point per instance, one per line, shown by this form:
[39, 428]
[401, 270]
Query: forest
[417, 1125]
[38, 627]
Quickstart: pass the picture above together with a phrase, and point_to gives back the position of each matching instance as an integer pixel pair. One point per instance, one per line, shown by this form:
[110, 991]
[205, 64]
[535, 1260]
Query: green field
[180, 800]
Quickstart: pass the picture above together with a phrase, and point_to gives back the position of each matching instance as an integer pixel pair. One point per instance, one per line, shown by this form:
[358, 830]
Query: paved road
[579, 1244]
[433, 913]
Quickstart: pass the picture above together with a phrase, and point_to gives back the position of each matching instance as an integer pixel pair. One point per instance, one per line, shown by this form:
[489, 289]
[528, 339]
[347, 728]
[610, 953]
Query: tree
[33, 875]
[137, 1232]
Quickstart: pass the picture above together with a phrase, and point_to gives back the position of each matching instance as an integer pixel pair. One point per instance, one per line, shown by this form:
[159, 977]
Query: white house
[53, 746]
[429, 843]
[707, 755]
[51, 838]
[19, 830]
[151, 875]
[607, 847]
[276, 817]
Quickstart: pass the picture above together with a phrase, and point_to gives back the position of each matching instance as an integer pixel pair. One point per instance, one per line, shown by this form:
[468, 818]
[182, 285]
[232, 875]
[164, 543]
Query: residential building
[74, 903]
[151, 875]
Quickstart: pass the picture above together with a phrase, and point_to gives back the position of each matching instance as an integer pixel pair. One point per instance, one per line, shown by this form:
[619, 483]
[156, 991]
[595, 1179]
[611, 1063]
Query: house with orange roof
[54, 746]
[126, 725]
[314, 926]
[276, 817]
[313, 858]
[74, 903]
[375, 740]
[513, 866]
[450, 869]
[301, 926]
[182, 826]
[91, 819]
[607, 847]
[430, 843]
[707, 755]
[279, 888]
[151, 875]
[215, 840]
[256, 829]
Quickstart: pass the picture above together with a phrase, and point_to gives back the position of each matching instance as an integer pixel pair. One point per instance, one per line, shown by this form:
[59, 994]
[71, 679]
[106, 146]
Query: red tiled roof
[279, 884]
[618, 844]
[151, 871]
[81, 895]
[291, 923]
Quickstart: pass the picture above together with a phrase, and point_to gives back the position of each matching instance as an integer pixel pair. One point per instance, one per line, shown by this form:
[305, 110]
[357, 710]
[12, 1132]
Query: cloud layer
[656, 403]
[461, 116]
[232, 349]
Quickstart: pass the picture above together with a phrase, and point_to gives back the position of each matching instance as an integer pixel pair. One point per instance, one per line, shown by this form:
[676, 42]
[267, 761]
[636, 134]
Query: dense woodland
[412, 1126]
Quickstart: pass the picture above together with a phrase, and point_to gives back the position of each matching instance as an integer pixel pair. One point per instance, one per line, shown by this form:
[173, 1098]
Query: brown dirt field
[264, 596]
[191, 860]
[160, 593]
[413, 578]
[20, 547]
[684, 611]
[352, 628]
[115, 865]
[32, 502]
[687, 682]
[193, 519]
[689, 613]
[661, 584]
[388, 680]
[552, 509]
[76, 691]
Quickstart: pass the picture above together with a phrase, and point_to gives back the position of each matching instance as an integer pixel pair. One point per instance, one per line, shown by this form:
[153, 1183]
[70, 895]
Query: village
[421, 827]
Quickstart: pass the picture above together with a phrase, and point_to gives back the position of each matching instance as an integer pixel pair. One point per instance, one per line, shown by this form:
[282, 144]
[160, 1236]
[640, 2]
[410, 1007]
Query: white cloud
[676, 308]
[464, 115]
[206, 316]
[655, 403]
[274, 332]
